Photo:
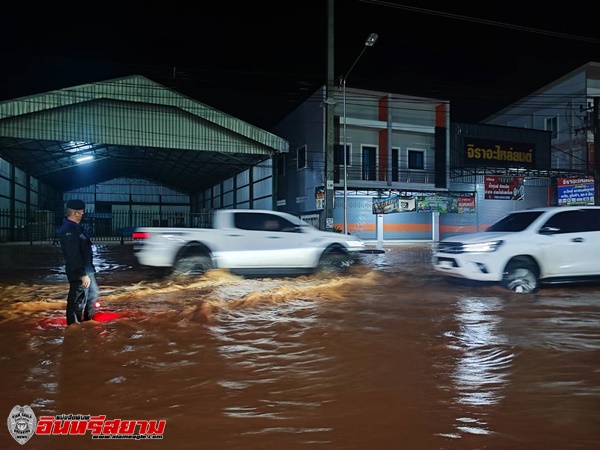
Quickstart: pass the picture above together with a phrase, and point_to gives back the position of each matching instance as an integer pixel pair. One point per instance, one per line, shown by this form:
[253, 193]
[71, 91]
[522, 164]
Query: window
[302, 157]
[552, 125]
[369, 163]
[280, 165]
[395, 164]
[338, 156]
[249, 221]
[568, 222]
[592, 219]
[515, 222]
[263, 222]
[416, 159]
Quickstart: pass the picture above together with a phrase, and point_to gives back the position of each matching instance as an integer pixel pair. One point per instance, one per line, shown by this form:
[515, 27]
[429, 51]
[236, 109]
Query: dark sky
[258, 60]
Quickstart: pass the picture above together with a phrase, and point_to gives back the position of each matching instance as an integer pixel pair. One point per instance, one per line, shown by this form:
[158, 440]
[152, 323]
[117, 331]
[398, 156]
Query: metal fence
[41, 226]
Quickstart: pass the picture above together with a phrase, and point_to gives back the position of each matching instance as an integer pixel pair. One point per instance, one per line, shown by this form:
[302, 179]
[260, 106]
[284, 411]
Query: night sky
[258, 60]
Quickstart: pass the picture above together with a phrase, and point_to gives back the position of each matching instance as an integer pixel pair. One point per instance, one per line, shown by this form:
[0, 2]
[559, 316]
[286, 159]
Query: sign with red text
[23, 424]
[447, 203]
[504, 188]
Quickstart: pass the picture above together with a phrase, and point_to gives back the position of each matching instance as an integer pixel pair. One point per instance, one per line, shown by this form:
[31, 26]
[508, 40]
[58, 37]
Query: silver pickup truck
[248, 242]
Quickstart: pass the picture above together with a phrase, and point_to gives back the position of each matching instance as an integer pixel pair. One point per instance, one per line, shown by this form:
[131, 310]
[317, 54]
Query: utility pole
[329, 122]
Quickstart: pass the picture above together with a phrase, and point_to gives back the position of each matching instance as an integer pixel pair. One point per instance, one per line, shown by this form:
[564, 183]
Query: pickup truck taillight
[140, 235]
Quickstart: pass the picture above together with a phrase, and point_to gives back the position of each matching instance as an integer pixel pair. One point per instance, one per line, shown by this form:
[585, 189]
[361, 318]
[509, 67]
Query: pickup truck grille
[450, 247]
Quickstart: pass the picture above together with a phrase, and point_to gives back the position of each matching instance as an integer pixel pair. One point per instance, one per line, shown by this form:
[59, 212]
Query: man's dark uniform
[77, 249]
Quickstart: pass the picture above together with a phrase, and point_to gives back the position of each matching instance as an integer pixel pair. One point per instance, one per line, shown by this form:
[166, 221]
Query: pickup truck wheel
[192, 265]
[521, 276]
[335, 261]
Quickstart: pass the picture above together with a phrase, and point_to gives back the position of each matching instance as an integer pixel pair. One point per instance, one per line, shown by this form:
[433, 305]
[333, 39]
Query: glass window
[249, 221]
[416, 159]
[515, 221]
[369, 163]
[395, 164]
[338, 156]
[263, 222]
[592, 218]
[568, 222]
[302, 157]
[552, 125]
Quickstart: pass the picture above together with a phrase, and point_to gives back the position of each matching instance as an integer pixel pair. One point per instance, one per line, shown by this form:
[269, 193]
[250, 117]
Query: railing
[375, 175]
[43, 226]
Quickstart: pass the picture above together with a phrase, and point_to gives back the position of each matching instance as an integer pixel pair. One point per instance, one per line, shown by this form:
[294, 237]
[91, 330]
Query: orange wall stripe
[412, 227]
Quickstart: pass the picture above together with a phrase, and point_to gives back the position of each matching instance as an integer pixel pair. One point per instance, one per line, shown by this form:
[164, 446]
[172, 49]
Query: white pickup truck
[247, 242]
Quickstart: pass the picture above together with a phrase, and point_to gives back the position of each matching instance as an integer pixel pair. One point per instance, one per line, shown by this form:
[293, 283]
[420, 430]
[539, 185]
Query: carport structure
[128, 127]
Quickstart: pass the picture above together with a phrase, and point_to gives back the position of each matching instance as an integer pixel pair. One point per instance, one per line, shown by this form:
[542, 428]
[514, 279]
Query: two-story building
[566, 109]
[396, 148]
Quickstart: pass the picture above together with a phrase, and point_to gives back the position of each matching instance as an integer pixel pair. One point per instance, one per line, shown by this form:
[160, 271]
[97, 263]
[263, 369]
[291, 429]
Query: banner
[450, 203]
[460, 203]
[504, 188]
[575, 191]
[320, 197]
[394, 204]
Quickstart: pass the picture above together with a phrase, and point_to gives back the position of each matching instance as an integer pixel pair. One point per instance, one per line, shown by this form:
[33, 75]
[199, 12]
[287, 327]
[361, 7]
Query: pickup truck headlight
[355, 243]
[482, 247]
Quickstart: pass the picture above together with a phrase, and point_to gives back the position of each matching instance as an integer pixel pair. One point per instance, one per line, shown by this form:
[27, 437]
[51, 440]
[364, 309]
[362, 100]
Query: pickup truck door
[265, 240]
[574, 249]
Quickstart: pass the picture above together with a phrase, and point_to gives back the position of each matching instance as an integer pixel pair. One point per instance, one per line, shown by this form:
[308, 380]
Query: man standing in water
[76, 247]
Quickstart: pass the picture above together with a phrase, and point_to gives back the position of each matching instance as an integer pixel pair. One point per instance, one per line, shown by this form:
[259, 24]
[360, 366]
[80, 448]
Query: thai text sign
[504, 188]
[492, 153]
[443, 203]
[575, 191]
[394, 204]
[320, 197]
[450, 203]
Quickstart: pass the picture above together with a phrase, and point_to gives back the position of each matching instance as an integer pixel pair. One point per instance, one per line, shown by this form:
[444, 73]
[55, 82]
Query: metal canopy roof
[128, 127]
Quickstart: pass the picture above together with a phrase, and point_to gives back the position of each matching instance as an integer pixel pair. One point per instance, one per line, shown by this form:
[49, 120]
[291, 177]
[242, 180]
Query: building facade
[395, 167]
[396, 146]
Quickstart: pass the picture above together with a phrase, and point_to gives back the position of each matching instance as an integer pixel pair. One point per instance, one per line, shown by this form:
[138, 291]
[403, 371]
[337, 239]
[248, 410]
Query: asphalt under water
[388, 356]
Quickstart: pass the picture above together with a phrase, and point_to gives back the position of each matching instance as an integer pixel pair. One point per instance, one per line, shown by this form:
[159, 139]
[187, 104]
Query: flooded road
[388, 356]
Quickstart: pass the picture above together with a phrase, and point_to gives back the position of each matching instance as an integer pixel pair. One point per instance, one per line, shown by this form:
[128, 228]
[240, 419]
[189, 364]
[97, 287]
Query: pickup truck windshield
[515, 221]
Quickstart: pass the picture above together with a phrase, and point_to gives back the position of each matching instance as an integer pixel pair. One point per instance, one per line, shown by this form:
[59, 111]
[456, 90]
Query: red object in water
[61, 321]
[107, 316]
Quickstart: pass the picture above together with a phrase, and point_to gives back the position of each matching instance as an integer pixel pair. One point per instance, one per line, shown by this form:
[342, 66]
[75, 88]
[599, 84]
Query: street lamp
[368, 43]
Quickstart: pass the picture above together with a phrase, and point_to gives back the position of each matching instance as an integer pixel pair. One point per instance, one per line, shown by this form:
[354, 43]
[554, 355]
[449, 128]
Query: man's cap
[76, 204]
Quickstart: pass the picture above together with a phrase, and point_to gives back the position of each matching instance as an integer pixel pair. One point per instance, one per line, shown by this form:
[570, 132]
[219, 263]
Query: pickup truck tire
[192, 265]
[521, 276]
[334, 260]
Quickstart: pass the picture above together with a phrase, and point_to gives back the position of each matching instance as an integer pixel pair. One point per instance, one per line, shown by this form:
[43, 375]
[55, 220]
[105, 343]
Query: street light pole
[368, 43]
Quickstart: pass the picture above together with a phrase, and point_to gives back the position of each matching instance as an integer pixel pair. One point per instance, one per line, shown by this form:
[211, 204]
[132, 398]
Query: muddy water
[389, 356]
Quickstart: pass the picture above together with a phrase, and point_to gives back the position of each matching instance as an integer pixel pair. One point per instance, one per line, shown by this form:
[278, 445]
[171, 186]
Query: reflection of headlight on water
[484, 368]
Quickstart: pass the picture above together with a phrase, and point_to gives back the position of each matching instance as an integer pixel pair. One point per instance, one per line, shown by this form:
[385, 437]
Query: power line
[484, 21]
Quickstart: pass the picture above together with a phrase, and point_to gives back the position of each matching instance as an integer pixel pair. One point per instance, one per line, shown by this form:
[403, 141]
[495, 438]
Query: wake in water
[180, 298]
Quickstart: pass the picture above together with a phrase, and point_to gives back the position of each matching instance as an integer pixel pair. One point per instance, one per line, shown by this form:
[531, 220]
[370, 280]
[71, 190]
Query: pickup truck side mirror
[292, 229]
[549, 230]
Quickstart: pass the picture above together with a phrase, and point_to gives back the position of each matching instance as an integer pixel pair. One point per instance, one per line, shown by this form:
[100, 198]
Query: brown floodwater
[388, 356]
